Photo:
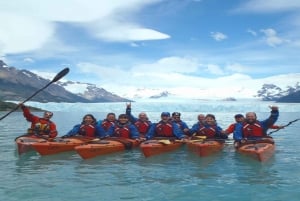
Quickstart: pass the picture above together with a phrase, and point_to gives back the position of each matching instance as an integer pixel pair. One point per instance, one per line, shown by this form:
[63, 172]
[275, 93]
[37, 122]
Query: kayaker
[123, 128]
[142, 123]
[209, 129]
[40, 126]
[239, 118]
[165, 128]
[181, 124]
[109, 121]
[87, 128]
[253, 128]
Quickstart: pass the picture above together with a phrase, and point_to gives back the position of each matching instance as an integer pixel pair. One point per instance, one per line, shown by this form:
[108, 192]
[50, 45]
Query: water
[177, 176]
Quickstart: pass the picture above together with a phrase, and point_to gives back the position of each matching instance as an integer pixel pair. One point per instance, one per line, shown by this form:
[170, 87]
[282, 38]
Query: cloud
[120, 31]
[218, 36]
[271, 37]
[28, 27]
[252, 32]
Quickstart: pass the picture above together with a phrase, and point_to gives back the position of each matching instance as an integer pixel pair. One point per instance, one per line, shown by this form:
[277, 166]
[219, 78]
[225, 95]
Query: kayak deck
[103, 147]
[24, 143]
[59, 145]
[260, 151]
[156, 147]
[205, 147]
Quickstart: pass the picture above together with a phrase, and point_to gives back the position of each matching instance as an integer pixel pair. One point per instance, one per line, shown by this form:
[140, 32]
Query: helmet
[165, 114]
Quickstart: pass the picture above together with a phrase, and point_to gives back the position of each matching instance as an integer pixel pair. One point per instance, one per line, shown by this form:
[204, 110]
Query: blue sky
[124, 45]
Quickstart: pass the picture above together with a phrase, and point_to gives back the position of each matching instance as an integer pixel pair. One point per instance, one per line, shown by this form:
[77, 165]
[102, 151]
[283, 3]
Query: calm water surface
[178, 176]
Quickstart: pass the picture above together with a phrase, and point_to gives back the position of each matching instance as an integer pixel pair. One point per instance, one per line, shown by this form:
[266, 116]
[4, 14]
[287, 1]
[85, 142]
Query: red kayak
[260, 150]
[156, 147]
[106, 146]
[205, 147]
[59, 145]
[24, 142]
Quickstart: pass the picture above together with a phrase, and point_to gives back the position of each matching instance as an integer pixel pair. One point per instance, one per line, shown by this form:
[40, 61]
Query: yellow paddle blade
[200, 137]
[95, 140]
[164, 141]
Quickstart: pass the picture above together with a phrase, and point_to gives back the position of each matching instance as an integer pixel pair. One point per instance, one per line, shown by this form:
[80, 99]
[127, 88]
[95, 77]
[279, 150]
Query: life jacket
[208, 131]
[87, 130]
[163, 129]
[107, 124]
[253, 130]
[142, 126]
[122, 131]
[41, 127]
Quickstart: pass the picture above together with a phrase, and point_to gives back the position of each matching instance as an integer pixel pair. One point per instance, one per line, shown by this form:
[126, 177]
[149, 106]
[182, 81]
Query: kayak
[106, 146]
[260, 150]
[58, 145]
[205, 147]
[24, 143]
[156, 147]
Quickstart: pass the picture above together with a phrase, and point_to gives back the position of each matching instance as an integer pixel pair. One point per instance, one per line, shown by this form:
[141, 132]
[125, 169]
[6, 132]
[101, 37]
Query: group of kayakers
[141, 128]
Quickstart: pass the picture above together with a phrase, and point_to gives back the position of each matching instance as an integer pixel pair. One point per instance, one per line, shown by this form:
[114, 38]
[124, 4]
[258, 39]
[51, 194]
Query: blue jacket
[177, 132]
[265, 124]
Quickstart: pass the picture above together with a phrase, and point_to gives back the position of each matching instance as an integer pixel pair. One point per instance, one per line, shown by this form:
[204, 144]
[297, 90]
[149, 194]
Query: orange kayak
[24, 143]
[103, 147]
[59, 145]
[260, 150]
[156, 147]
[205, 147]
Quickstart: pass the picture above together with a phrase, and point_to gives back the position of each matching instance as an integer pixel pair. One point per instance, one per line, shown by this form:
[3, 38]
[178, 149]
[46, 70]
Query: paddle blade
[61, 74]
[164, 141]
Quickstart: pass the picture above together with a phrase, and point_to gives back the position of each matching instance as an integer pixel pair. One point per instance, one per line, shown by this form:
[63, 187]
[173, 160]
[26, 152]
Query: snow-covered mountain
[267, 89]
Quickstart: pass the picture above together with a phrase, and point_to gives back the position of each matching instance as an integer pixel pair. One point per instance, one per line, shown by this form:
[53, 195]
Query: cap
[238, 116]
[165, 114]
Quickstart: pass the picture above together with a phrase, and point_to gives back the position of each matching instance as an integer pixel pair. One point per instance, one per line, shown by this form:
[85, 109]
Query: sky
[176, 45]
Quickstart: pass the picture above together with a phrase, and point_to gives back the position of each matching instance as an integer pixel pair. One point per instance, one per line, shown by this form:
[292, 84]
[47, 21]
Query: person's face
[176, 118]
[111, 117]
[88, 120]
[165, 117]
[239, 119]
[201, 117]
[48, 115]
[123, 120]
[250, 117]
[210, 120]
[143, 116]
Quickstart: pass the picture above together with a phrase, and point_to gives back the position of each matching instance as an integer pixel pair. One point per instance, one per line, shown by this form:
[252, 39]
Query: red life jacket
[163, 129]
[41, 126]
[107, 124]
[87, 130]
[253, 130]
[122, 131]
[142, 126]
[209, 132]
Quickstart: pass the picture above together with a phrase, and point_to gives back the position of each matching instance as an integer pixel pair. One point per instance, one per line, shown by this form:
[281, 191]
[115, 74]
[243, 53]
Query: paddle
[164, 141]
[56, 78]
[283, 126]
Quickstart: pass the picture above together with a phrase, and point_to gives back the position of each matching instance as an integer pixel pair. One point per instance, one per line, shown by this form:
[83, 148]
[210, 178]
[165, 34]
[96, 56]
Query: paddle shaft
[56, 78]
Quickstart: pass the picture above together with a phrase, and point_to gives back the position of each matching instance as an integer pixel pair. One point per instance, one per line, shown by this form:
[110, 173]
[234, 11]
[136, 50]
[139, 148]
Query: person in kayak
[123, 128]
[40, 126]
[87, 128]
[142, 123]
[253, 128]
[209, 129]
[109, 121]
[239, 118]
[165, 128]
[181, 124]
